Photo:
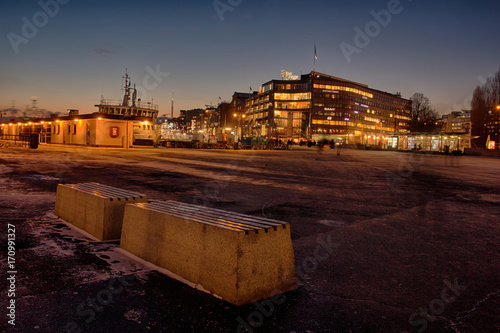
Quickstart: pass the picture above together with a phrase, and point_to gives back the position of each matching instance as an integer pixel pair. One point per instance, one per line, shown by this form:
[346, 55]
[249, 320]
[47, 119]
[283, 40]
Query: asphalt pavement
[384, 241]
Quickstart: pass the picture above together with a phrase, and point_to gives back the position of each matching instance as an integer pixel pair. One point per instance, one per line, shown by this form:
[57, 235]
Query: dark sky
[79, 52]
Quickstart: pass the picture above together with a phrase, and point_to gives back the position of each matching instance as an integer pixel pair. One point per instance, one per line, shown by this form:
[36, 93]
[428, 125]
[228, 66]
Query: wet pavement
[384, 241]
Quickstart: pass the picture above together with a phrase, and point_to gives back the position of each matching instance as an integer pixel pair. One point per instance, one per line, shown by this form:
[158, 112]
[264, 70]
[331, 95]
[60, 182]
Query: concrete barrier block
[237, 257]
[98, 209]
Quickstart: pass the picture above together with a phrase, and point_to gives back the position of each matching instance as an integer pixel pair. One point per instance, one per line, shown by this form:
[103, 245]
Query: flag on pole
[315, 57]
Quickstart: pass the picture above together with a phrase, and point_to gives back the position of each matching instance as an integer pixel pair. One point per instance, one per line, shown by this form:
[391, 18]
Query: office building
[318, 106]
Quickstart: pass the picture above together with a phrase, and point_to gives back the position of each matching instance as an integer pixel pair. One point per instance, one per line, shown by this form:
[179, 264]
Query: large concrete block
[238, 257]
[96, 208]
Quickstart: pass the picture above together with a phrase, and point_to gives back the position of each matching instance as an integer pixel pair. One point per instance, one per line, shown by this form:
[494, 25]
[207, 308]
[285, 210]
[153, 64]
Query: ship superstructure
[131, 106]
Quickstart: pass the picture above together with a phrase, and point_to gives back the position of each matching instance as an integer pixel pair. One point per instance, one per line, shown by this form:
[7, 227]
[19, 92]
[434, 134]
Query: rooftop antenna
[102, 91]
[34, 101]
[172, 107]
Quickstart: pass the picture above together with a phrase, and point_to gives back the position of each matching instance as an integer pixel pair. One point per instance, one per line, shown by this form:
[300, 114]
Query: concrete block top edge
[105, 192]
[216, 217]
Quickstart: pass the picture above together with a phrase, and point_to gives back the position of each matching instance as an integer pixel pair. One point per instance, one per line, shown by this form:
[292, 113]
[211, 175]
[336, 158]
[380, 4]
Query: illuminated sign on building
[288, 76]
[114, 131]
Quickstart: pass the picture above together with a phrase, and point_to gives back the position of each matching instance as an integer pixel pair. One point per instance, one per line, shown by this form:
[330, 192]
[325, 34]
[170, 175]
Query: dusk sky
[440, 48]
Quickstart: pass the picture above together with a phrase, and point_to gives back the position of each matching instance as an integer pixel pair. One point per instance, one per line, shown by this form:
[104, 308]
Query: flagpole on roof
[315, 57]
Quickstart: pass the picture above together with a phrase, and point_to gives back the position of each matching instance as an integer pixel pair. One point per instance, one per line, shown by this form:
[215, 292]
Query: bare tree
[484, 100]
[423, 115]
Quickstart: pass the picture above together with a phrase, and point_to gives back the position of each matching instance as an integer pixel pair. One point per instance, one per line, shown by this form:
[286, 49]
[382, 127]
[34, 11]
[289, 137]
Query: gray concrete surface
[384, 241]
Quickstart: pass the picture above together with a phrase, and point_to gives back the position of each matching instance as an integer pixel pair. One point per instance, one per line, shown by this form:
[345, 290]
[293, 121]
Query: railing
[26, 140]
[117, 103]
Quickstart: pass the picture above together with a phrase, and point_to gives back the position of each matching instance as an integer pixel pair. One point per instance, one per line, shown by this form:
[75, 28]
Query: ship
[144, 133]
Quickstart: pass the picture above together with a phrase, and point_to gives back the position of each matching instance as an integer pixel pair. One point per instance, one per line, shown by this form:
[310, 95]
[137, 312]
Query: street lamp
[238, 128]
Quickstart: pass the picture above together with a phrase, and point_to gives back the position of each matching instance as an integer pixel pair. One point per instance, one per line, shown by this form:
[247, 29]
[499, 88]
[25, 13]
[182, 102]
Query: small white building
[96, 130]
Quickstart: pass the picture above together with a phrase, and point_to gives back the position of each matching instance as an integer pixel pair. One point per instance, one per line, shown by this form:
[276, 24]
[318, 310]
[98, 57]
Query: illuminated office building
[317, 106]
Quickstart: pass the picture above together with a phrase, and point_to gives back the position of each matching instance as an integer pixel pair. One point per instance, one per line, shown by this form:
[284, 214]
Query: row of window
[286, 114]
[336, 88]
[56, 129]
[125, 111]
[292, 86]
[292, 105]
[329, 122]
[372, 119]
[292, 97]
[258, 108]
[285, 123]
[257, 101]
[328, 130]
[362, 102]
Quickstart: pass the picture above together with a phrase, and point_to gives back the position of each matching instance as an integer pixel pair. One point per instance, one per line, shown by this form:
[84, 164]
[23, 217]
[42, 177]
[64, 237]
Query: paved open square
[384, 241]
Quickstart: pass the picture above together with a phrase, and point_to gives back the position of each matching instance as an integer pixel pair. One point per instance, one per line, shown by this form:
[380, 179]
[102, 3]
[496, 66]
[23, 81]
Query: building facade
[96, 130]
[458, 122]
[319, 106]
[493, 128]
[237, 113]
[190, 118]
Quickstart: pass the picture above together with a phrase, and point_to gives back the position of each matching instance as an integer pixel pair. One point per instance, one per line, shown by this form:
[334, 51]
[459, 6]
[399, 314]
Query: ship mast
[134, 96]
[126, 97]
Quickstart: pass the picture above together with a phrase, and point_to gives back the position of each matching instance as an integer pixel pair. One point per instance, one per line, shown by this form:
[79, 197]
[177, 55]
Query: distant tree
[479, 115]
[484, 100]
[491, 90]
[423, 115]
